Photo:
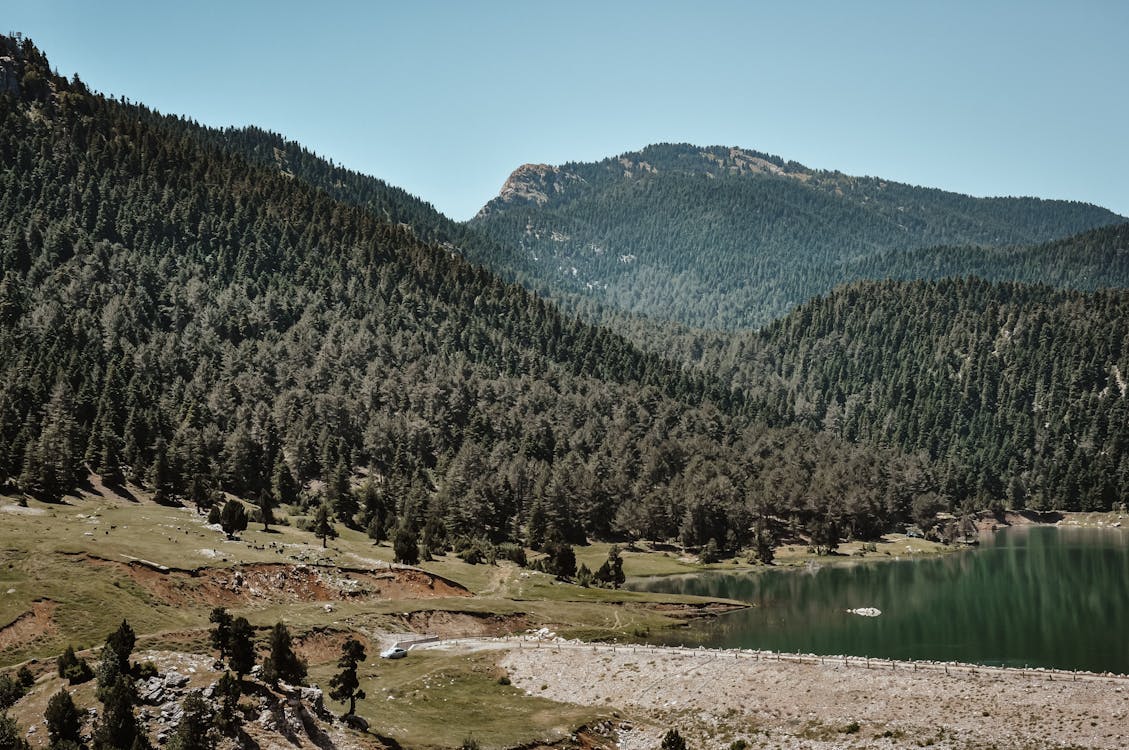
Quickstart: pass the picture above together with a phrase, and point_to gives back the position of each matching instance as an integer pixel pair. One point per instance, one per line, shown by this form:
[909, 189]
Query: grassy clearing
[890, 547]
[438, 699]
[46, 552]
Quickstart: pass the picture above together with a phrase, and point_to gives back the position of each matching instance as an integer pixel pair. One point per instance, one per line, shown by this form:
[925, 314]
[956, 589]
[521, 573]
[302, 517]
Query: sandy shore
[717, 697]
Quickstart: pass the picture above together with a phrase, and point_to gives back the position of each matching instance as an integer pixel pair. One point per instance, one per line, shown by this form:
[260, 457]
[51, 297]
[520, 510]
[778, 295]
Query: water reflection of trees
[1038, 596]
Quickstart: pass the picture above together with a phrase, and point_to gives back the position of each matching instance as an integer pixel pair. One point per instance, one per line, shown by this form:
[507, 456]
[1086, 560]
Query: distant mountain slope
[1095, 259]
[383, 200]
[727, 238]
[1019, 391]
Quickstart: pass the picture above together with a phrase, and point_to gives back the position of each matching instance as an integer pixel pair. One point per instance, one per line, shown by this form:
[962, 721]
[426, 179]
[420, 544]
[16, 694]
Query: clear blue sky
[446, 98]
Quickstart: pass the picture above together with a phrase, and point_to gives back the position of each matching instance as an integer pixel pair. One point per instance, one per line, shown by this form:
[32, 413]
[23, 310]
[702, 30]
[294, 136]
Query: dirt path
[717, 697]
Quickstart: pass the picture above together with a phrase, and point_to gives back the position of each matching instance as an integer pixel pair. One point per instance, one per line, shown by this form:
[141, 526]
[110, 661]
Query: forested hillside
[175, 314]
[1091, 260]
[1017, 392]
[725, 238]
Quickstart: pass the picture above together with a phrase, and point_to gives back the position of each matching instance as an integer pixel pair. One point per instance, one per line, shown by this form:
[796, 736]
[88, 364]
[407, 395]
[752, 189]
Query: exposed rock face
[532, 184]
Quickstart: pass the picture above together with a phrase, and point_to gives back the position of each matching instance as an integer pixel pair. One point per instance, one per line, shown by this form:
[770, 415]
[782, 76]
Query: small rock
[175, 680]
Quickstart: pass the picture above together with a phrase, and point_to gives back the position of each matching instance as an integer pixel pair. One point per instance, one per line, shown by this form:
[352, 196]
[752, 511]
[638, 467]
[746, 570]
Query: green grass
[45, 552]
[438, 699]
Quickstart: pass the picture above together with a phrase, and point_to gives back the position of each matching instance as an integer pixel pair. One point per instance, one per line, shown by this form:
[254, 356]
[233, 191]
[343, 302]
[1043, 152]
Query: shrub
[73, 669]
[10, 691]
[711, 553]
[515, 553]
[672, 740]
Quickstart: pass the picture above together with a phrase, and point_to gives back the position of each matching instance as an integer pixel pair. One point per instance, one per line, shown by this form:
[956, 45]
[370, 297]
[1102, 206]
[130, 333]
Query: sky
[445, 99]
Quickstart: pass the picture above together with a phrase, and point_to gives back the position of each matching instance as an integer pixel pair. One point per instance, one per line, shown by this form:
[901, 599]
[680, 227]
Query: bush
[672, 740]
[515, 553]
[64, 723]
[711, 553]
[10, 691]
[406, 546]
[474, 551]
[146, 670]
[73, 669]
[561, 560]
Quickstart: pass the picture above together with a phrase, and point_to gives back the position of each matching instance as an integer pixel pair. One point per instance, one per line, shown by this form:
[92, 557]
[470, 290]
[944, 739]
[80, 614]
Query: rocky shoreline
[717, 697]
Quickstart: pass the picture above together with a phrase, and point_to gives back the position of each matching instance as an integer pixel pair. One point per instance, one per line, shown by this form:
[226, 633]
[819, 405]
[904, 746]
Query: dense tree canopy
[195, 321]
[195, 310]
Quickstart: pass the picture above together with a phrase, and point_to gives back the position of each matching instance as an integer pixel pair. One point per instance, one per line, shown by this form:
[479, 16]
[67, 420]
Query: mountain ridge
[716, 161]
[721, 237]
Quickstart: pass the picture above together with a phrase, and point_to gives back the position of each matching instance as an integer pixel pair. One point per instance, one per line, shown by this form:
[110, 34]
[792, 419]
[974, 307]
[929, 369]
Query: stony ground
[716, 698]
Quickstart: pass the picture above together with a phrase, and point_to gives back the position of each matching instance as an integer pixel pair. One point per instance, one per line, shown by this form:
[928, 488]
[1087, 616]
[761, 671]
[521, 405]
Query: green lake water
[1028, 596]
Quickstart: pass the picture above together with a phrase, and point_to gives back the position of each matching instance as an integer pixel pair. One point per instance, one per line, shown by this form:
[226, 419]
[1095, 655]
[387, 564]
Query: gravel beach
[715, 698]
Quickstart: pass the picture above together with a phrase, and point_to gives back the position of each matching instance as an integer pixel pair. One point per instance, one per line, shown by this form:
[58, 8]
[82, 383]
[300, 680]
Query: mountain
[179, 315]
[726, 238]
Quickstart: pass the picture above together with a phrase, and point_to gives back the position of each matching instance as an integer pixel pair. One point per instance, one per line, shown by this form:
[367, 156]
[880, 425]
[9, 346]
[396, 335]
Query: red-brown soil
[271, 583]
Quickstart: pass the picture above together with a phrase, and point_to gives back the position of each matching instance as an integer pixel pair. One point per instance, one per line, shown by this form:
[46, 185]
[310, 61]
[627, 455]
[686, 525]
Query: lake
[1028, 596]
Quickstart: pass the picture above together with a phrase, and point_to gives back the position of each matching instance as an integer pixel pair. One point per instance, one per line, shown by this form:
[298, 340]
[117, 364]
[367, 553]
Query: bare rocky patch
[272, 583]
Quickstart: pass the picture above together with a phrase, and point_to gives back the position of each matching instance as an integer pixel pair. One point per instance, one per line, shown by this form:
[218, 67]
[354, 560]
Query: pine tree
[227, 695]
[283, 664]
[64, 723]
[117, 726]
[233, 518]
[405, 546]
[284, 490]
[672, 740]
[220, 635]
[194, 730]
[73, 669]
[11, 738]
[266, 505]
[615, 565]
[323, 527]
[344, 686]
[160, 477]
[120, 644]
[241, 648]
